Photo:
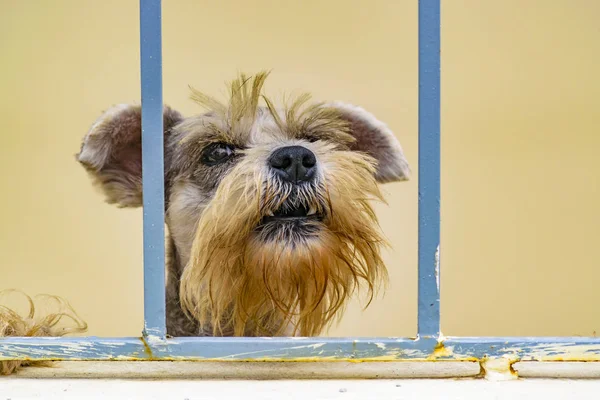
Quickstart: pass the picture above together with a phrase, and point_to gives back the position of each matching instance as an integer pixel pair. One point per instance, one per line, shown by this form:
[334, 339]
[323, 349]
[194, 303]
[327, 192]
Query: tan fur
[241, 113]
[13, 324]
[239, 284]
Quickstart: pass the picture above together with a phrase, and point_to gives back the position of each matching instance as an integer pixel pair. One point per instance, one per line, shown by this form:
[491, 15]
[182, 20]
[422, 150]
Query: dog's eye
[216, 153]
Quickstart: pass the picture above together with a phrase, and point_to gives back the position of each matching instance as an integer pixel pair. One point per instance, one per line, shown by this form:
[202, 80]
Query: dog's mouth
[293, 213]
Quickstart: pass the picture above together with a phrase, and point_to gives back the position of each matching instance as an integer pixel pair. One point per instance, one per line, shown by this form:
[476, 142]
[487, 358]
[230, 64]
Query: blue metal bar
[325, 349]
[429, 168]
[153, 168]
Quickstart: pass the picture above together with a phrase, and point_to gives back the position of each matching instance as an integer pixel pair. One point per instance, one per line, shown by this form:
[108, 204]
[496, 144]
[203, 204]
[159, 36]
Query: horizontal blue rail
[319, 349]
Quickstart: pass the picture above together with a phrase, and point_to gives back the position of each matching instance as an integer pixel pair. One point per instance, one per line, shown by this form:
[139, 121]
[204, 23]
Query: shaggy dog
[268, 208]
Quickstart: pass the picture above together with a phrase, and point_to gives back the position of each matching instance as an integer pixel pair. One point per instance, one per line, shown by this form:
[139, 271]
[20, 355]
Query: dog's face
[269, 207]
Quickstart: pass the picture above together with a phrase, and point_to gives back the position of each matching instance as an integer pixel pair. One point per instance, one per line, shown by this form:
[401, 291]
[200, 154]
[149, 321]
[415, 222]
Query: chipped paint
[440, 351]
[557, 352]
[68, 349]
[495, 355]
[309, 346]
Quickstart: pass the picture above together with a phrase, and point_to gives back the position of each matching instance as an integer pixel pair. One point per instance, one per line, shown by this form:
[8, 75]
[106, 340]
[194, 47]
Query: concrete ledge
[422, 389]
[213, 370]
[249, 370]
[559, 369]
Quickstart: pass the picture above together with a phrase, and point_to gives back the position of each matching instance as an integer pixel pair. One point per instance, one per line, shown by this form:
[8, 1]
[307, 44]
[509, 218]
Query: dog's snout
[294, 164]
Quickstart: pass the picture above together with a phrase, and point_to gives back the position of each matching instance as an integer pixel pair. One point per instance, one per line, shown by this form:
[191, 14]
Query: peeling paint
[557, 352]
[491, 353]
[309, 346]
[440, 351]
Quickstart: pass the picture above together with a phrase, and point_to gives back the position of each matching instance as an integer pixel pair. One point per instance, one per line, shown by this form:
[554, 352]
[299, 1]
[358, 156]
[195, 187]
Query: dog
[268, 208]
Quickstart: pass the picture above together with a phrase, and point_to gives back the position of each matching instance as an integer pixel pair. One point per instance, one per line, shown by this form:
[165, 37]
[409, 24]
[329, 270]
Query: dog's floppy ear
[111, 152]
[377, 140]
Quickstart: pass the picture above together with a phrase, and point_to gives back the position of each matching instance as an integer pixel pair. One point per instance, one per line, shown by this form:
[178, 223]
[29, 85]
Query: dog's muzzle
[294, 164]
[292, 215]
[298, 214]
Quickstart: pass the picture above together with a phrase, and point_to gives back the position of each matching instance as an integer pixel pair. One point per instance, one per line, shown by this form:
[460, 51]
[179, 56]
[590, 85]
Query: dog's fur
[233, 269]
[35, 323]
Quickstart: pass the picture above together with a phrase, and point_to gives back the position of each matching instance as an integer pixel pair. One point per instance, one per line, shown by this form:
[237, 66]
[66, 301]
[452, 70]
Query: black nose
[294, 163]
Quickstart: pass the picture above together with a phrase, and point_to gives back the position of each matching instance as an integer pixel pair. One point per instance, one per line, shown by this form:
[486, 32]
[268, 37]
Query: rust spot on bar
[147, 349]
[511, 368]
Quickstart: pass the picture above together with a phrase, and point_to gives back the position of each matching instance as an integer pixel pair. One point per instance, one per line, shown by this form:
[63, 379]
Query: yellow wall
[521, 100]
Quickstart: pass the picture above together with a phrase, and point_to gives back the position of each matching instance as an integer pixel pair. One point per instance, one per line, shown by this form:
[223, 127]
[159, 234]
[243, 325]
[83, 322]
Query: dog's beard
[248, 277]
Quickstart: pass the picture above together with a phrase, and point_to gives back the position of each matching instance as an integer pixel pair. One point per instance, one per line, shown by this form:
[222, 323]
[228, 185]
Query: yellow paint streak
[440, 351]
[147, 349]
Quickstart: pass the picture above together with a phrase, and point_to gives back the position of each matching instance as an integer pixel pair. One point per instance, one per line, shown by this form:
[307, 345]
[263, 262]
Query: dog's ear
[111, 152]
[377, 140]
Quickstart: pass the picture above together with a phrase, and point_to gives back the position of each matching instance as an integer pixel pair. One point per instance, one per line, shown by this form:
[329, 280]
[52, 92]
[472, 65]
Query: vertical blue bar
[153, 168]
[429, 168]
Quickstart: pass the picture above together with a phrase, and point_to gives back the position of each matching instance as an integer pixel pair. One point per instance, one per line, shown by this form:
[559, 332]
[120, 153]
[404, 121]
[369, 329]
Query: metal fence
[429, 344]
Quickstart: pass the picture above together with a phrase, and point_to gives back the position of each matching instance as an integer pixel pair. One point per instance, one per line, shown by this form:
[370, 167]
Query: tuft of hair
[35, 325]
[296, 117]
[240, 113]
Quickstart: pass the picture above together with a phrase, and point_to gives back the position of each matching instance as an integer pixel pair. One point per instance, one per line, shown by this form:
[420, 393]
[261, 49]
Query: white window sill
[66, 389]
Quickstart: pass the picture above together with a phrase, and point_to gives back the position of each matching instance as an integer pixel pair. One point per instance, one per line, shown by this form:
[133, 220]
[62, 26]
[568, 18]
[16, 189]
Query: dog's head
[269, 207]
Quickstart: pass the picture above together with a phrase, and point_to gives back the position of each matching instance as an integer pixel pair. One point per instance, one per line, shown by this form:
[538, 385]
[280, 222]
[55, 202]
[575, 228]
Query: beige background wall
[521, 97]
